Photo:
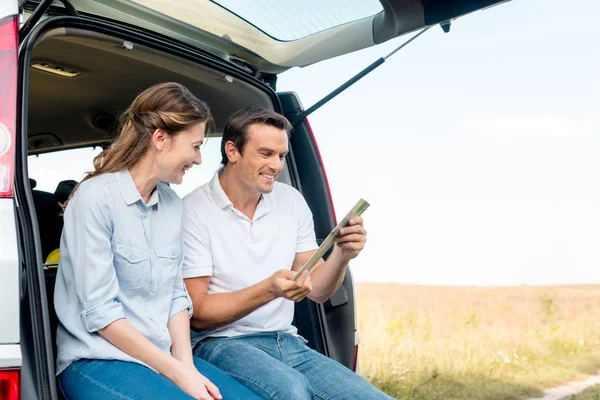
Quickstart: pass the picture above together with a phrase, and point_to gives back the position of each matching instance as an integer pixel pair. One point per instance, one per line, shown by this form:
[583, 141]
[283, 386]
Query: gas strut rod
[352, 81]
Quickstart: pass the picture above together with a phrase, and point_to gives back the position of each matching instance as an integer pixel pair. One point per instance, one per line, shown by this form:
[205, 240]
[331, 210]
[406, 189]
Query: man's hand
[352, 238]
[281, 285]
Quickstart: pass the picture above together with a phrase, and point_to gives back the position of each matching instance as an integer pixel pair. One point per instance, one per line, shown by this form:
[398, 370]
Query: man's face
[263, 157]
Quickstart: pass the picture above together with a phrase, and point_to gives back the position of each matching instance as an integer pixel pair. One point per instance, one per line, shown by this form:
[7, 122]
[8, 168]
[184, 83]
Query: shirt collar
[264, 206]
[153, 197]
[130, 193]
[217, 191]
[223, 201]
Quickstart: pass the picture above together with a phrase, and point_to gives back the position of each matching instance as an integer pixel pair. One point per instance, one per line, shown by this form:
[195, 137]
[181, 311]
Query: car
[68, 70]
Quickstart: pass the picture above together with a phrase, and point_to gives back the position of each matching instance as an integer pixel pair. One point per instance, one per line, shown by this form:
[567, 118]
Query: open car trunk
[271, 37]
[77, 76]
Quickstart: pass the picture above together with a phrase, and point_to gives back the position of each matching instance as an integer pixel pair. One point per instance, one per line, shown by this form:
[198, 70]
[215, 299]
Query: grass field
[592, 393]
[421, 342]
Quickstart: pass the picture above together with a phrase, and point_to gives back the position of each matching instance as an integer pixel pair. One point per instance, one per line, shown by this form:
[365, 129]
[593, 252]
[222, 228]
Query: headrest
[64, 189]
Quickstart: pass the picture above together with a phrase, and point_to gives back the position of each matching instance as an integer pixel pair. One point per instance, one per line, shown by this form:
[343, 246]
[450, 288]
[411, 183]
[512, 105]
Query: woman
[120, 297]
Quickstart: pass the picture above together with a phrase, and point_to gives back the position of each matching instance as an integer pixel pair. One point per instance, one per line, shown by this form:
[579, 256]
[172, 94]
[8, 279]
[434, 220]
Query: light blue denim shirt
[120, 258]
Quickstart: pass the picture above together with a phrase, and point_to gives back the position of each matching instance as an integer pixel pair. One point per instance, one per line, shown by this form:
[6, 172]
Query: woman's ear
[161, 140]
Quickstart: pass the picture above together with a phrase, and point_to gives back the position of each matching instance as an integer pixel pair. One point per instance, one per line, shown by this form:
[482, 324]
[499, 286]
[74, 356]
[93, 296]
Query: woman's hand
[195, 384]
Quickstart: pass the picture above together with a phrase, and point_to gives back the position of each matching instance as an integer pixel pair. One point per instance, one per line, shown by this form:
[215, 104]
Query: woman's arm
[180, 312]
[179, 329]
[125, 337]
[129, 340]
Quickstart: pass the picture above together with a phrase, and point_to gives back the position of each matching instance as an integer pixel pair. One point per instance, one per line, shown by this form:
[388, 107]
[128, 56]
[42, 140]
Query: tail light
[355, 358]
[10, 379]
[9, 33]
[10, 384]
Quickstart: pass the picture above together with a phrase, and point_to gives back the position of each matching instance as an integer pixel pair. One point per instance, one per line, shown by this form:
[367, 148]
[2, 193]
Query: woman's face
[181, 152]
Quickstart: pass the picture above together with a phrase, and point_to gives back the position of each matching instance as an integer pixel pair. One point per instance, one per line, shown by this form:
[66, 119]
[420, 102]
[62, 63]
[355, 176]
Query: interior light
[55, 69]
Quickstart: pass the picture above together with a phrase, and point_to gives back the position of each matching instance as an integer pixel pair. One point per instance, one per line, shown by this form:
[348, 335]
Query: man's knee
[213, 349]
[291, 385]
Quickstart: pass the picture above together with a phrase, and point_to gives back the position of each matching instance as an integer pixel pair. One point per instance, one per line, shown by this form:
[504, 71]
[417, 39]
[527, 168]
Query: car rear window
[49, 169]
[283, 20]
[291, 19]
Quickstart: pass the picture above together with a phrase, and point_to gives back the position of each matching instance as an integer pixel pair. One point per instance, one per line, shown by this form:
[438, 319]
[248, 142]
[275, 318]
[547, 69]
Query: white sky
[477, 149]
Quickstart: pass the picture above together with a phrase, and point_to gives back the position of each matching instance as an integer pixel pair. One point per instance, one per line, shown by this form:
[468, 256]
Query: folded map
[358, 209]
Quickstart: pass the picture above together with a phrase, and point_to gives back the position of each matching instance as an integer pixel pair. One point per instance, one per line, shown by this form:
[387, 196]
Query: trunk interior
[60, 113]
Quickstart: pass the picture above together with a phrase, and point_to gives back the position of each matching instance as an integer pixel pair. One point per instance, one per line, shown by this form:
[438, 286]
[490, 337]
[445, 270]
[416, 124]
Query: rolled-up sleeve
[87, 237]
[181, 298]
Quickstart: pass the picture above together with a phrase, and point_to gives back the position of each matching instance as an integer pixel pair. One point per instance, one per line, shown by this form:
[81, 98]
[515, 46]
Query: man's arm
[218, 309]
[327, 276]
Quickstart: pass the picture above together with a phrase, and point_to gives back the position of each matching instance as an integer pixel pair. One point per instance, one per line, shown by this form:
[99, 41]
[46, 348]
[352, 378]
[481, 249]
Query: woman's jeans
[110, 379]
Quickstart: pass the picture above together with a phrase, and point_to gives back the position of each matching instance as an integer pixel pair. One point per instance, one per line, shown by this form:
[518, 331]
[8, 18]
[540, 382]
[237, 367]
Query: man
[244, 235]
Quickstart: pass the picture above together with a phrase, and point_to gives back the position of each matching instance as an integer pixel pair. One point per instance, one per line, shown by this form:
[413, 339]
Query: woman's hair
[167, 106]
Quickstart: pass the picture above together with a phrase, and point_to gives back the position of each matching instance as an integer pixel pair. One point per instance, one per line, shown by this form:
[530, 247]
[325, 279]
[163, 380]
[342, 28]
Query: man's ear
[161, 140]
[232, 152]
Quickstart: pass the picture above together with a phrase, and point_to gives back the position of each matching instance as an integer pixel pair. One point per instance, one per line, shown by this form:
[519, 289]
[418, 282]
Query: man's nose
[276, 164]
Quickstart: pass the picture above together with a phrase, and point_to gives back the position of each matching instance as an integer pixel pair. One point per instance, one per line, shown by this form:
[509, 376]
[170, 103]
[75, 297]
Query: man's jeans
[112, 380]
[280, 366]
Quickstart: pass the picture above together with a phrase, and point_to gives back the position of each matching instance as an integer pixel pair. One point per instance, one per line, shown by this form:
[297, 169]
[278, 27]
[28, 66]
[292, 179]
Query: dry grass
[592, 393]
[421, 342]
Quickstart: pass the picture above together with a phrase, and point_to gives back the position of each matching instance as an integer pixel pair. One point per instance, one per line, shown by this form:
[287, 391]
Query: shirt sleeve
[87, 239]
[197, 254]
[306, 240]
[181, 299]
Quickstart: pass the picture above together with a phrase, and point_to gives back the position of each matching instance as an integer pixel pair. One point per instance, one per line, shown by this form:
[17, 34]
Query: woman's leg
[112, 380]
[230, 388]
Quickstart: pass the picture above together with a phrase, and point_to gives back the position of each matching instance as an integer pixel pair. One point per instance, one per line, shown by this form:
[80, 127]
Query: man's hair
[236, 129]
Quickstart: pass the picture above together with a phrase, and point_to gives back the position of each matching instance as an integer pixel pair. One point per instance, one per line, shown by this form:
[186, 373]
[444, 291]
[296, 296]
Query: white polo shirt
[221, 242]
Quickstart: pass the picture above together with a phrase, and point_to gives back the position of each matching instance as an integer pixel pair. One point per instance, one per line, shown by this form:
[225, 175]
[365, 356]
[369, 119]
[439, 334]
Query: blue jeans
[281, 366]
[110, 379]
